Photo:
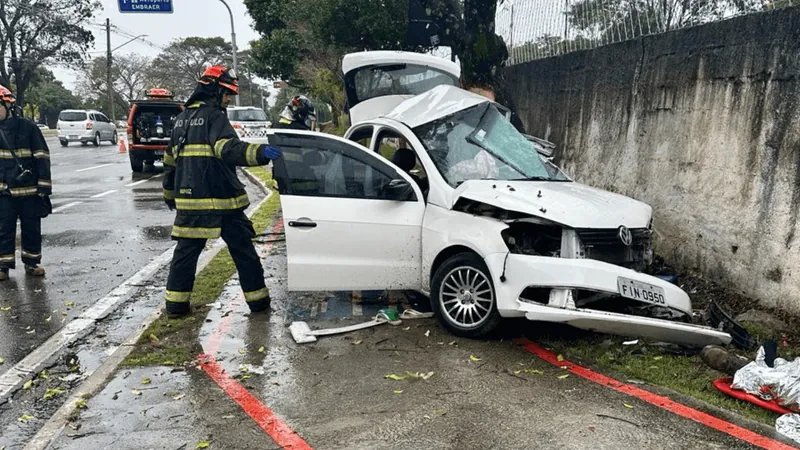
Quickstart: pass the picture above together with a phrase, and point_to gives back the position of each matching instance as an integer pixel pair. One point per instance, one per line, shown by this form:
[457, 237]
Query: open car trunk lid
[377, 81]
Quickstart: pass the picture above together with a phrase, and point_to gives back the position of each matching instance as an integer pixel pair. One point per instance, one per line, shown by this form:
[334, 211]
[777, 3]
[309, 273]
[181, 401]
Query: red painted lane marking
[277, 429]
[266, 419]
[657, 400]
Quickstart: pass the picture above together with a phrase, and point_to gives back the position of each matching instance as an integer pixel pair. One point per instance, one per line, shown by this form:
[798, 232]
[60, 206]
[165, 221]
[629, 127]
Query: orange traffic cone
[122, 146]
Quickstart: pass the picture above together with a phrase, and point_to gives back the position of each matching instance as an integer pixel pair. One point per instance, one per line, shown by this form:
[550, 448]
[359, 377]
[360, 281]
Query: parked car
[42, 126]
[439, 193]
[84, 126]
[248, 120]
[150, 123]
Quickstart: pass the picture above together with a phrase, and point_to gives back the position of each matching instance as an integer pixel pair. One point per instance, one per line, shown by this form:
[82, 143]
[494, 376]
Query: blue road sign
[145, 6]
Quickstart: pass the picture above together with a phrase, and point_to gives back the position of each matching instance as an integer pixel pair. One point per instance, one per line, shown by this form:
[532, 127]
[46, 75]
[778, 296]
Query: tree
[127, 82]
[48, 98]
[34, 32]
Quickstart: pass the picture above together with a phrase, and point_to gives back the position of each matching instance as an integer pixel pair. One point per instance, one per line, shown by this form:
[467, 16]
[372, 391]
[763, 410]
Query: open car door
[353, 220]
[377, 81]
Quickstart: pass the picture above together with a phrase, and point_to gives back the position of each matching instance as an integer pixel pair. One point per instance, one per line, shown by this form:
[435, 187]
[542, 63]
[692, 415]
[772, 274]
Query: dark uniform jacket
[200, 172]
[25, 138]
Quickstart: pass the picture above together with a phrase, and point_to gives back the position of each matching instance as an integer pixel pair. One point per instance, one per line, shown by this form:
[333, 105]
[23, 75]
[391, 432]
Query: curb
[53, 428]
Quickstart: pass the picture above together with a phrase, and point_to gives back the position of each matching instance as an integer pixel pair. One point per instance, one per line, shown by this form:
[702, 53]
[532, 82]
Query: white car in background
[248, 120]
[84, 126]
[465, 210]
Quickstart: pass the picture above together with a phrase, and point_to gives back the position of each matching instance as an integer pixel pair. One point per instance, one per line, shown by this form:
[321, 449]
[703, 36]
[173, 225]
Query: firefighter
[25, 187]
[200, 182]
[298, 114]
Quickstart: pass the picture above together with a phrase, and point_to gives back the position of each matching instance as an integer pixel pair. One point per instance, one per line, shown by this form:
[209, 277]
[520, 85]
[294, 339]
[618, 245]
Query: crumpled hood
[572, 204]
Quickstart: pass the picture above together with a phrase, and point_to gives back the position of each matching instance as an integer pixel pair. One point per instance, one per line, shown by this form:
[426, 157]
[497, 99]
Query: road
[107, 223]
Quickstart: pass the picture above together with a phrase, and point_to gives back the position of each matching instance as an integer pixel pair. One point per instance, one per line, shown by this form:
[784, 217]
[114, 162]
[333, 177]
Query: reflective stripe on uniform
[40, 154]
[196, 233]
[285, 121]
[212, 204]
[20, 152]
[31, 255]
[169, 195]
[256, 295]
[219, 145]
[3, 186]
[45, 183]
[169, 159]
[178, 297]
[252, 154]
[197, 150]
[22, 191]
[7, 258]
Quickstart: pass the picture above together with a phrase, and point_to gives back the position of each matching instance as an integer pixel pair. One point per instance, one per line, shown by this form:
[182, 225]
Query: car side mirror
[399, 190]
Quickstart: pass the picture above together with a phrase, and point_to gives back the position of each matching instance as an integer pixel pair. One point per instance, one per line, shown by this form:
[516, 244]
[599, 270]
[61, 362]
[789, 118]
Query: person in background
[25, 187]
[200, 182]
[299, 114]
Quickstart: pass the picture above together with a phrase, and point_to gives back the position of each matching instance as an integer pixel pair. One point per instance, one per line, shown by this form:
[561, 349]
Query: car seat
[406, 160]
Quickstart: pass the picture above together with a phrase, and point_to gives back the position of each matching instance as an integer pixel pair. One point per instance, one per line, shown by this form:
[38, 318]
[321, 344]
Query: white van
[85, 126]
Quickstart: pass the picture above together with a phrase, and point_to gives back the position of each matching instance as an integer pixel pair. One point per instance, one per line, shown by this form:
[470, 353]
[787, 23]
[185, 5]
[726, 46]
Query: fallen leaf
[474, 358]
[241, 351]
[399, 391]
[406, 328]
[452, 343]
[628, 406]
[44, 376]
[69, 304]
[31, 332]
[261, 349]
[395, 377]
[560, 358]
[136, 392]
[247, 377]
[146, 381]
[658, 358]
[438, 412]
[203, 444]
[2, 360]
[428, 333]
[425, 376]
[52, 393]
[169, 363]
[357, 342]
[5, 308]
[81, 404]
[537, 372]
[49, 318]
[27, 385]
[178, 397]
[25, 418]
[562, 377]
[153, 338]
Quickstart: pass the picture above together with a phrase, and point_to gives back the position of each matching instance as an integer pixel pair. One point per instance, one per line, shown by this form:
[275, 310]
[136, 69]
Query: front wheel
[64, 143]
[114, 138]
[463, 296]
[96, 141]
[137, 165]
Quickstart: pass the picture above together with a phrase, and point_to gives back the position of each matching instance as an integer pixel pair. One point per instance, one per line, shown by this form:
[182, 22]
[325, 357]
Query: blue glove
[270, 152]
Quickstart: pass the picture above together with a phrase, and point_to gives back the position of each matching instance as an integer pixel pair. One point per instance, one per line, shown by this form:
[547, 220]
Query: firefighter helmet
[303, 110]
[6, 96]
[221, 76]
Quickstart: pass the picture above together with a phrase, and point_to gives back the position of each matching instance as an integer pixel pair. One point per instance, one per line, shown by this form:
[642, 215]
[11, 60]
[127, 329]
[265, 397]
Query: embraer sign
[145, 6]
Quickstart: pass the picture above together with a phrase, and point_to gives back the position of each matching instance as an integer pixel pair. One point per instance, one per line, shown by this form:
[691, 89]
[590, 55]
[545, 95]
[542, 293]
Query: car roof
[434, 104]
[353, 61]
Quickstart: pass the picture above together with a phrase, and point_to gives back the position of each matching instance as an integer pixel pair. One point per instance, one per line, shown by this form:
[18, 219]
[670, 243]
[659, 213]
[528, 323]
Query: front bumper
[562, 275]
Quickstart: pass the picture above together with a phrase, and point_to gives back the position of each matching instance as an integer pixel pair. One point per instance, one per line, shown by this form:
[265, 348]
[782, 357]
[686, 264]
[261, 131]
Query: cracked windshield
[479, 143]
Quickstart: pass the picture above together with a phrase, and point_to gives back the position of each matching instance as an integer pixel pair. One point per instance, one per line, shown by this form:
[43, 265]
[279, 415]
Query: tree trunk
[482, 52]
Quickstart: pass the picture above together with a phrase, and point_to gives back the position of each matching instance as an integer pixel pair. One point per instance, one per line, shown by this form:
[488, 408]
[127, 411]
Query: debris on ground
[719, 319]
[720, 359]
[789, 426]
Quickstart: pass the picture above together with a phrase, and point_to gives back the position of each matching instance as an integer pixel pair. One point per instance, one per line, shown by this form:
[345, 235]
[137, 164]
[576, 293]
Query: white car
[248, 120]
[467, 212]
[85, 126]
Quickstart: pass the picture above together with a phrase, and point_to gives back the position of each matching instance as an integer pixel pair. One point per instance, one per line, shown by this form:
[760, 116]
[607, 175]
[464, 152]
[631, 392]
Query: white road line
[68, 205]
[92, 168]
[104, 194]
[143, 181]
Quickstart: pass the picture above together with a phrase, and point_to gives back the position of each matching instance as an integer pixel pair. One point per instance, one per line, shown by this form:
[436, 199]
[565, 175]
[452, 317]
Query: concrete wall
[703, 124]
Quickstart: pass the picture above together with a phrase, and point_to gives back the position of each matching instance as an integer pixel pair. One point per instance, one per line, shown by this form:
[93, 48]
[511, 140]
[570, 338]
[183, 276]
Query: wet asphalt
[107, 223]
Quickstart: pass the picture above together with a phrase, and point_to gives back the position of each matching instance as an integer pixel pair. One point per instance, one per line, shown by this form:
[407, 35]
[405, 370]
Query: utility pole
[108, 72]
[233, 44]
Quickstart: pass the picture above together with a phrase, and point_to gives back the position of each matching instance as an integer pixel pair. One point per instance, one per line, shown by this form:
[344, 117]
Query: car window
[72, 116]
[323, 167]
[102, 118]
[247, 115]
[363, 135]
[397, 79]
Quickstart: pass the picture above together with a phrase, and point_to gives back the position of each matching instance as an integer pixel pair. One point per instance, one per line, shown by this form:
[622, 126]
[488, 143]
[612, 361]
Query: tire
[137, 165]
[96, 141]
[473, 313]
[114, 138]
[64, 143]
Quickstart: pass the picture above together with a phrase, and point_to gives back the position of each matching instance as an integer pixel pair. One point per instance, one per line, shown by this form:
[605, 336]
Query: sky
[205, 18]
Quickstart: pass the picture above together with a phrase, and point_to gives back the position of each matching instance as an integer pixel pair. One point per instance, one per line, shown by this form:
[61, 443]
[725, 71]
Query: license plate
[643, 292]
[73, 137]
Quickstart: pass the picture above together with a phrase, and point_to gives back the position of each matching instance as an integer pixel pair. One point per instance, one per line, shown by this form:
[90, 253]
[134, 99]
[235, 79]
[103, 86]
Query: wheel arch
[447, 253]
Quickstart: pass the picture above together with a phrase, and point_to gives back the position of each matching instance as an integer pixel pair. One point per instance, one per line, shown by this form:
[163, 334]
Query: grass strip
[174, 342]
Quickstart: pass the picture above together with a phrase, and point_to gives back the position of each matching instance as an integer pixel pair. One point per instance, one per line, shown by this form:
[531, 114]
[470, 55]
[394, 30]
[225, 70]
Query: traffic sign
[145, 6]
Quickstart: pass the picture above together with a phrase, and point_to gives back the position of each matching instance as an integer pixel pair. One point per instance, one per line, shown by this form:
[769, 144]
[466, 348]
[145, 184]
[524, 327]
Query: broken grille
[606, 245]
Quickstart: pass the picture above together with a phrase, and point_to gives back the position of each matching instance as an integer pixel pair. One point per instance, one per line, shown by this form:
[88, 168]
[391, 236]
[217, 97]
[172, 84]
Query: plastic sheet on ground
[780, 383]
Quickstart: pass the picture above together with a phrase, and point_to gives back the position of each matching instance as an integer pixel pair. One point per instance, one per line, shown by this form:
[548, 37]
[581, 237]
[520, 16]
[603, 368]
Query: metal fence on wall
[535, 29]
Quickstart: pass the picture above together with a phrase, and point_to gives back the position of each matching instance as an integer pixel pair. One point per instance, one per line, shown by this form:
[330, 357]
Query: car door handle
[303, 224]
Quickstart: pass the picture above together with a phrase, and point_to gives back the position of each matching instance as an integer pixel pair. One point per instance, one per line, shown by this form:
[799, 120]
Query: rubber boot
[718, 358]
[34, 271]
[3, 274]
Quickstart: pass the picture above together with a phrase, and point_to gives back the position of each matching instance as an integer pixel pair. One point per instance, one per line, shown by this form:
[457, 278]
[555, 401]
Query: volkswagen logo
[625, 236]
